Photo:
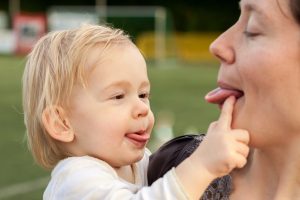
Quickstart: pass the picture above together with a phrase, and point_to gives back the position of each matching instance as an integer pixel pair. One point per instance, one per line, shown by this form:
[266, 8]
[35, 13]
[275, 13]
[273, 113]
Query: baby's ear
[57, 124]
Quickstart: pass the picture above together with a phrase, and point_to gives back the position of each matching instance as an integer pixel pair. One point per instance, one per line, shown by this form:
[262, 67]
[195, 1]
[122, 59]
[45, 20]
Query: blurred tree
[4, 5]
[188, 15]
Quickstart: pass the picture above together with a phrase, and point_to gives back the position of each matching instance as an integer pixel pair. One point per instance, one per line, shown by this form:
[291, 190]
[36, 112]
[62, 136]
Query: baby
[88, 119]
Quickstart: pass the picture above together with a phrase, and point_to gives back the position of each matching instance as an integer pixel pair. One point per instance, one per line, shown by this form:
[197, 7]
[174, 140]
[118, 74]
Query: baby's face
[111, 118]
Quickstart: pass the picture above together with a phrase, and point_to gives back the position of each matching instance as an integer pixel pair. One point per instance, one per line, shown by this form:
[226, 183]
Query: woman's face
[260, 56]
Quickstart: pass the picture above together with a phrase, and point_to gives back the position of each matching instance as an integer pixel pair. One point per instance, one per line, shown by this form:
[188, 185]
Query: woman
[260, 62]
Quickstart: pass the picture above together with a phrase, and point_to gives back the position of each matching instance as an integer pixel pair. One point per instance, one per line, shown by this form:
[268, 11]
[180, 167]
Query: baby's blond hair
[56, 62]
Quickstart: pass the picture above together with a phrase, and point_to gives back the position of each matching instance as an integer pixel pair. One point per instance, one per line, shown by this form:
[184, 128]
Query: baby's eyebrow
[117, 84]
[125, 84]
[145, 84]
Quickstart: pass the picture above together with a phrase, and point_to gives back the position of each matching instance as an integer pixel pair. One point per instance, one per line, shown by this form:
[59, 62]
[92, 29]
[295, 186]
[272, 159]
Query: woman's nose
[141, 108]
[223, 48]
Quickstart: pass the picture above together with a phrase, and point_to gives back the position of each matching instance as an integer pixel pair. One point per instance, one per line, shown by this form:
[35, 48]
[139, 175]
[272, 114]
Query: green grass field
[178, 88]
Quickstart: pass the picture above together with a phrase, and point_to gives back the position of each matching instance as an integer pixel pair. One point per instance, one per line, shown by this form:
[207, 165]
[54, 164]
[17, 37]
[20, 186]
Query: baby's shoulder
[81, 167]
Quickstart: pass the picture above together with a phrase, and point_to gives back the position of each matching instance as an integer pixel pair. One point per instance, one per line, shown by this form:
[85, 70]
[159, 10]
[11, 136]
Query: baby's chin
[136, 158]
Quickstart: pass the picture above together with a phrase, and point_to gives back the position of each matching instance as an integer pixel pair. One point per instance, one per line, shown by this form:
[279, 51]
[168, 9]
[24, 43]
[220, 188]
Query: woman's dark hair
[295, 8]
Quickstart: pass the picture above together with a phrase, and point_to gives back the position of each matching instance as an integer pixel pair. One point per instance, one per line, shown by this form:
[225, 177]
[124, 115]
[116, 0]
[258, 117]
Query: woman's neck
[271, 173]
[289, 182]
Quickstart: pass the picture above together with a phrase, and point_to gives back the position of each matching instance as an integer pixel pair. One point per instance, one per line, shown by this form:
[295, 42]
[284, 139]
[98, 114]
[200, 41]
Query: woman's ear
[56, 123]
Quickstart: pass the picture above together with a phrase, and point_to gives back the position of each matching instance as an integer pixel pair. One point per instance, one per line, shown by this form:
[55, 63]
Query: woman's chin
[237, 116]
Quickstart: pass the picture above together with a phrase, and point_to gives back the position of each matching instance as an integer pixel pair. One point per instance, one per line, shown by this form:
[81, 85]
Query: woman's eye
[250, 34]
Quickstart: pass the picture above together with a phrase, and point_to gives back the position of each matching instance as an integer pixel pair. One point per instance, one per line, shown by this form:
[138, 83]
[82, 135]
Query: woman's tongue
[219, 95]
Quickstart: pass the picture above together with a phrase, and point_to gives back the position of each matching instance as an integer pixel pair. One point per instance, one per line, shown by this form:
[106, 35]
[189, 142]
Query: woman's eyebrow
[251, 7]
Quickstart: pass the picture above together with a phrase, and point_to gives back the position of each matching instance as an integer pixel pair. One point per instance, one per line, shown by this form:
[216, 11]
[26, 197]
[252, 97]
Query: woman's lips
[140, 138]
[219, 95]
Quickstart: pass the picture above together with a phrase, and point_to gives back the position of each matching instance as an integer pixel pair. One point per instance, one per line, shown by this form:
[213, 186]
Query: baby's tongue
[219, 95]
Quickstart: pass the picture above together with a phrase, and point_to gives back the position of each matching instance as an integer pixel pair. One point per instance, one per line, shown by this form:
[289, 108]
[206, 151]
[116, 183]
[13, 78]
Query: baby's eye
[119, 96]
[144, 95]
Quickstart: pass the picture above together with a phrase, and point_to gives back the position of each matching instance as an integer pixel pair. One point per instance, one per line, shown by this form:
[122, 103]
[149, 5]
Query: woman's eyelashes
[250, 34]
[253, 27]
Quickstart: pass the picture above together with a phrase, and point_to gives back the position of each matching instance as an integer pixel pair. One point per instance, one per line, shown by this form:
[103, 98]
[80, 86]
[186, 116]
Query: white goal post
[61, 17]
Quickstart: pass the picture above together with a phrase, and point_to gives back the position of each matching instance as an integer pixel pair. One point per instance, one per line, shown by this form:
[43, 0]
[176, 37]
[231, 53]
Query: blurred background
[174, 37]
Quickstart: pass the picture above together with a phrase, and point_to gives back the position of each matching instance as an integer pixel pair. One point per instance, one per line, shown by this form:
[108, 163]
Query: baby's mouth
[139, 138]
[220, 94]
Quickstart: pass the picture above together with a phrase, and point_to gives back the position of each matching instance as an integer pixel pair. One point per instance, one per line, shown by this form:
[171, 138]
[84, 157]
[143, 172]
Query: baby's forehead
[100, 52]
[99, 55]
